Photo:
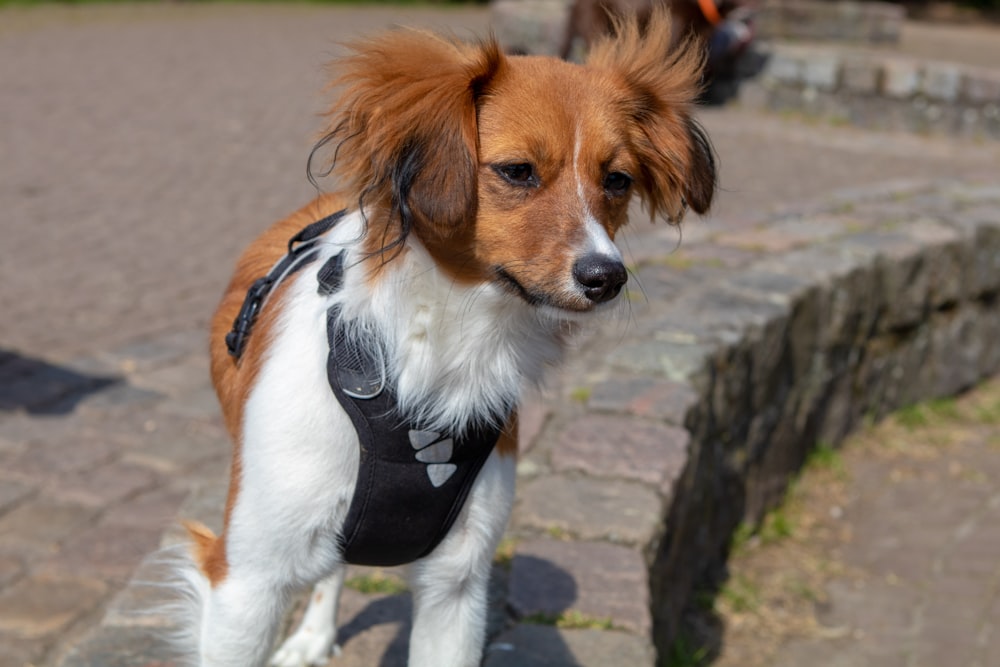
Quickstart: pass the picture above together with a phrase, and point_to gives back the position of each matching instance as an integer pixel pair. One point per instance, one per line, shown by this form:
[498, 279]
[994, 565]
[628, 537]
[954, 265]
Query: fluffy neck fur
[458, 355]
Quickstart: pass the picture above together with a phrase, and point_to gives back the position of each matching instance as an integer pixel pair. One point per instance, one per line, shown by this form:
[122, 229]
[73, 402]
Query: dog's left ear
[676, 158]
[406, 125]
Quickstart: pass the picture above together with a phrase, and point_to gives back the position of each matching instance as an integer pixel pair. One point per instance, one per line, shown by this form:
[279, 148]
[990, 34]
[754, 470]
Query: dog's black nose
[601, 276]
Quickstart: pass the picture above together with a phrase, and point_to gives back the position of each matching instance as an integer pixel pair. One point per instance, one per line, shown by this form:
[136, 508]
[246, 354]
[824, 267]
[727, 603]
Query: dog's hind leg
[316, 637]
[450, 586]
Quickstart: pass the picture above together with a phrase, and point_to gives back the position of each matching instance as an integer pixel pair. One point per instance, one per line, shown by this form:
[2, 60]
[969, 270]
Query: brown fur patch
[209, 552]
[233, 379]
[507, 444]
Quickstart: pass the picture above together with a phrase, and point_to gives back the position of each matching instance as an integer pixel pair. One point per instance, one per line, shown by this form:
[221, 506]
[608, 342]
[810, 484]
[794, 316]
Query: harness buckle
[237, 338]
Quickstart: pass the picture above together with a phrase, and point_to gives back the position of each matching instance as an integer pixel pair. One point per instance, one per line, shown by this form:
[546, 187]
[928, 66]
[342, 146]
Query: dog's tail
[179, 575]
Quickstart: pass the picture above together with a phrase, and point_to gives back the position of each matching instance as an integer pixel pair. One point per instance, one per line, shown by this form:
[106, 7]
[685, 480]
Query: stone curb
[673, 426]
[754, 345]
[879, 90]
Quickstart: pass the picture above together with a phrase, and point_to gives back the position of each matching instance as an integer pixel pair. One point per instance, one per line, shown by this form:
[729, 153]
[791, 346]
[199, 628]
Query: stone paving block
[51, 458]
[622, 447]
[146, 355]
[861, 76]
[126, 647]
[527, 645]
[40, 605]
[41, 523]
[666, 279]
[780, 288]
[981, 87]
[109, 551]
[784, 68]
[716, 254]
[678, 362]
[821, 71]
[12, 492]
[102, 486]
[536, 28]
[601, 581]
[11, 567]
[731, 315]
[156, 508]
[941, 81]
[121, 394]
[761, 240]
[171, 450]
[644, 397]
[19, 652]
[589, 508]
[900, 78]
[177, 379]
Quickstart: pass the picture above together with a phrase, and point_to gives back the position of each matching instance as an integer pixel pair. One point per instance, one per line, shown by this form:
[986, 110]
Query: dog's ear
[405, 125]
[660, 83]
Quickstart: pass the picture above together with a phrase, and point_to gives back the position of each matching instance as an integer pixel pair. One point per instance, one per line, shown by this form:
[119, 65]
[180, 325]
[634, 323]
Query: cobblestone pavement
[143, 147]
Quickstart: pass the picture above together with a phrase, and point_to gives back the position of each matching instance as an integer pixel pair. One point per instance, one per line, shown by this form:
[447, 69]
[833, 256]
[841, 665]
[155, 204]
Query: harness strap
[301, 251]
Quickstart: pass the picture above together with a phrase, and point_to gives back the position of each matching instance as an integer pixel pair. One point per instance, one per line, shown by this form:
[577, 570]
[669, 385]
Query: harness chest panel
[412, 483]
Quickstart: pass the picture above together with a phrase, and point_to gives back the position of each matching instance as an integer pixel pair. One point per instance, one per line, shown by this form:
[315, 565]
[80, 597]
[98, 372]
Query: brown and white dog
[482, 194]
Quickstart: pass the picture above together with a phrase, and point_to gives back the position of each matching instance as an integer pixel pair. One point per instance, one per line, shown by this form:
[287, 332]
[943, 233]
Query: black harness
[412, 483]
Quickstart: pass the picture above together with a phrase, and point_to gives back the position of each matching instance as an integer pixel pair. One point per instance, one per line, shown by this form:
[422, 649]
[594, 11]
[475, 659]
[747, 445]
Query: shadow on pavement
[39, 387]
[534, 642]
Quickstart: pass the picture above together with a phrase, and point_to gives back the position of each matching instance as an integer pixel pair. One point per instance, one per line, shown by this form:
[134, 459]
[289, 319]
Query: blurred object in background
[725, 29]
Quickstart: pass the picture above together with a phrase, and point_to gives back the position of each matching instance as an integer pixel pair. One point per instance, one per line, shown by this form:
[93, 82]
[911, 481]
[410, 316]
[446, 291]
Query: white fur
[597, 239]
[458, 355]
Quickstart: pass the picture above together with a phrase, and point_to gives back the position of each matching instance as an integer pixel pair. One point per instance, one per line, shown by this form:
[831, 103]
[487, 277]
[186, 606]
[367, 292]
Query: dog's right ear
[405, 125]
[661, 83]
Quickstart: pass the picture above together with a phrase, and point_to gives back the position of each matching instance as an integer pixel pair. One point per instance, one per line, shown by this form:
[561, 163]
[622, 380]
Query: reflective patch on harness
[436, 455]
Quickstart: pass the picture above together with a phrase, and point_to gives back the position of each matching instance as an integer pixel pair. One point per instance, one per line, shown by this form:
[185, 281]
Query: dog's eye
[521, 173]
[617, 183]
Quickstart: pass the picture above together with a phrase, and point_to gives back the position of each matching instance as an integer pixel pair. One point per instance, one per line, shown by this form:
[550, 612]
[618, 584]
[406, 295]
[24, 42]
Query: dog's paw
[306, 648]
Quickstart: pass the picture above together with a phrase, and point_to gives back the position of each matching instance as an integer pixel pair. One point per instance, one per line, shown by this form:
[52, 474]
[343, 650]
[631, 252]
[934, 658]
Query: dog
[589, 20]
[371, 349]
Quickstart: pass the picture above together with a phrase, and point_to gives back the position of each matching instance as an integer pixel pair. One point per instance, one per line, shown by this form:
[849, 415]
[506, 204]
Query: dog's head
[519, 169]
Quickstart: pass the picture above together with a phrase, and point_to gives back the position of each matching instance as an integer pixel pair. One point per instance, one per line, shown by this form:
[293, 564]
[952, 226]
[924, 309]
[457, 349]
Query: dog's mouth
[540, 298]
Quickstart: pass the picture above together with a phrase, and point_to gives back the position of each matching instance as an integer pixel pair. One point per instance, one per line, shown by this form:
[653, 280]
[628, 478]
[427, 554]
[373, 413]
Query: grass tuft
[569, 620]
[377, 583]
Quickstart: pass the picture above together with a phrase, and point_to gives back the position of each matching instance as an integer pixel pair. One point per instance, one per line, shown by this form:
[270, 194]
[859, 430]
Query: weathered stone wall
[879, 90]
[771, 339]
[854, 22]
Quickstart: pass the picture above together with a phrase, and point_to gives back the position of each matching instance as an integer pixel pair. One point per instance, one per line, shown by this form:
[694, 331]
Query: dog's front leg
[450, 586]
[316, 637]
